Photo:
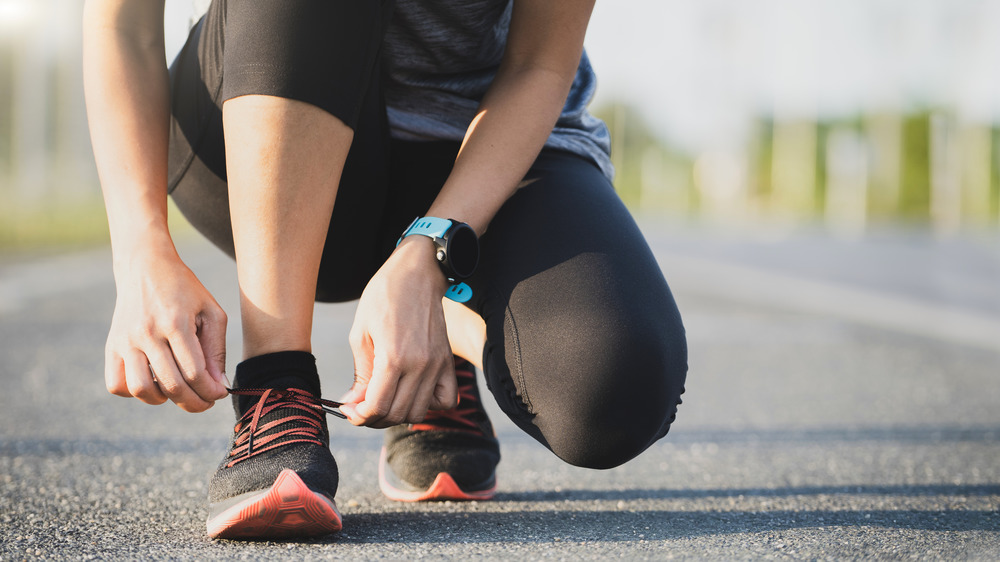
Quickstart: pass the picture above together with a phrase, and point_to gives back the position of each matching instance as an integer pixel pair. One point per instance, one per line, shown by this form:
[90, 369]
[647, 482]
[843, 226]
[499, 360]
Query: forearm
[515, 119]
[125, 81]
[519, 111]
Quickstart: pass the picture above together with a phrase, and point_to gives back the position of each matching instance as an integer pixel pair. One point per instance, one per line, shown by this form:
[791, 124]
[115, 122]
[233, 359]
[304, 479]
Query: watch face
[463, 251]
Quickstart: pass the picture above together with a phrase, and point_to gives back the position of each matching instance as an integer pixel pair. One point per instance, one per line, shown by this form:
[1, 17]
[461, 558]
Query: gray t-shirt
[441, 57]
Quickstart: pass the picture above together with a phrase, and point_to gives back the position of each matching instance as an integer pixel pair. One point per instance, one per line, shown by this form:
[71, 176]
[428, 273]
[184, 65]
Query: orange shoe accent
[287, 509]
[443, 488]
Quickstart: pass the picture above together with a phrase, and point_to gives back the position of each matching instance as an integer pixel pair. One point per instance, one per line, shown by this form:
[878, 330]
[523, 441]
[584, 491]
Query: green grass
[29, 227]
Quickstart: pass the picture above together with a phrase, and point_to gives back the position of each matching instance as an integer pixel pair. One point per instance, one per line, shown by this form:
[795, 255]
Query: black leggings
[585, 347]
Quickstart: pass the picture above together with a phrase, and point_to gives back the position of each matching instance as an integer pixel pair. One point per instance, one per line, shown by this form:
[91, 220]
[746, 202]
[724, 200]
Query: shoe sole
[287, 509]
[443, 488]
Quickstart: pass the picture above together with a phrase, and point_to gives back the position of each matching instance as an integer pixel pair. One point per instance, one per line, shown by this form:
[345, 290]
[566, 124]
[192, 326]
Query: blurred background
[841, 114]
[818, 180]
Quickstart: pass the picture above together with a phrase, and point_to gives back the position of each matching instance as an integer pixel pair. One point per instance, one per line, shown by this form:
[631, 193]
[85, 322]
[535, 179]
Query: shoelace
[459, 417]
[250, 433]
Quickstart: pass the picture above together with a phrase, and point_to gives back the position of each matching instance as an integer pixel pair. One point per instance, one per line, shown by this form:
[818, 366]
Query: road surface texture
[843, 401]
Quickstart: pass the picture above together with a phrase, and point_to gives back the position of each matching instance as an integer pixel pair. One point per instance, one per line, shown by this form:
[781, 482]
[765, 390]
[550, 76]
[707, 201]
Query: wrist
[456, 251]
[418, 253]
[133, 254]
[456, 245]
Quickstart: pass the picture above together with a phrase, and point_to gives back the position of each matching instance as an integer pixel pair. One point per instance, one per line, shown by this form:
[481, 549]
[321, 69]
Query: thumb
[363, 350]
[350, 400]
[359, 388]
[212, 336]
[356, 394]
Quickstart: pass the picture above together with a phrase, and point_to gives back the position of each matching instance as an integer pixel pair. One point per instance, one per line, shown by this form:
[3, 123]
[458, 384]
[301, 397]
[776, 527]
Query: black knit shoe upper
[459, 442]
[278, 428]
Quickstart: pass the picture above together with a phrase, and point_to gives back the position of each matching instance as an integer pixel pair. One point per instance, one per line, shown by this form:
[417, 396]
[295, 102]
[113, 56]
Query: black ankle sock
[284, 369]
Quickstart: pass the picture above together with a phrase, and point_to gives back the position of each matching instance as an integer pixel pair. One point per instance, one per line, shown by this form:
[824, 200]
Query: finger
[139, 379]
[352, 397]
[170, 380]
[421, 401]
[351, 412]
[211, 334]
[114, 374]
[190, 360]
[424, 395]
[407, 390]
[379, 395]
[445, 392]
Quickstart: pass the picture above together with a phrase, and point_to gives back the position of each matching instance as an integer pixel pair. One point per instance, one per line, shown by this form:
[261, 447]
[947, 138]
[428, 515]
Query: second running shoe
[451, 455]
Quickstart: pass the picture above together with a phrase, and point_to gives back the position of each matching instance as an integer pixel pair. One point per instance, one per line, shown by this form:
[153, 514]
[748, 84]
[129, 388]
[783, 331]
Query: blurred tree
[915, 176]
[648, 171]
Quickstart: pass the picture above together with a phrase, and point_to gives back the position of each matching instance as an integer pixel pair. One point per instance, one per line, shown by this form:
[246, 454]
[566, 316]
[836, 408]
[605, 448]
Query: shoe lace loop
[254, 437]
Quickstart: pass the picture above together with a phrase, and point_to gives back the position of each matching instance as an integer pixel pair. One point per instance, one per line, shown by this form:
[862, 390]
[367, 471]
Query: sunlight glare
[15, 13]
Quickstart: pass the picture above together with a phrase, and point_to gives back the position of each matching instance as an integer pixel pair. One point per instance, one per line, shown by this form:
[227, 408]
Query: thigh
[585, 346]
[323, 53]
[196, 152]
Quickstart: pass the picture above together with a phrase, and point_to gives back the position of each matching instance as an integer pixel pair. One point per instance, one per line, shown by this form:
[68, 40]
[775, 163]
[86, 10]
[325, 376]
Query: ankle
[257, 346]
[283, 369]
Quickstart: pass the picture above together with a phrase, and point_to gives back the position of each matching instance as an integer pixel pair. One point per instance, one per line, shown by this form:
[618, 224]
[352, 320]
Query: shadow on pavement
[667, 494]
[899, 434]
[615, 526]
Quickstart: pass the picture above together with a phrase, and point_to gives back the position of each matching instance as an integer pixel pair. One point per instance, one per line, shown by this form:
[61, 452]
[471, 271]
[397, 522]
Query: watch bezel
[457, 232]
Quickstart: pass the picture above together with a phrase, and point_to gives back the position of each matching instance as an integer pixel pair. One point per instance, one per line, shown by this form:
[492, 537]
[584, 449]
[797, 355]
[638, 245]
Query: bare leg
[284, 160]
[466, 332]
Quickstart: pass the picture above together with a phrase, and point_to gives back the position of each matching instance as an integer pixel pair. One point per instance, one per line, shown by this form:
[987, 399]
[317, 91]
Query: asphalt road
[843, 401]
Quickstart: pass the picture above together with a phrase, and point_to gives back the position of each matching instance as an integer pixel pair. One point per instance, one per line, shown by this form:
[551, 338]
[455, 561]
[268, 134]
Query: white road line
[863, 306]
[22, 284]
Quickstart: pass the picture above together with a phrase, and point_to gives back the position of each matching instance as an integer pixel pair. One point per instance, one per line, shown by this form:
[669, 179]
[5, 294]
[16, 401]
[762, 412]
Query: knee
[604, 443]
[619, 407]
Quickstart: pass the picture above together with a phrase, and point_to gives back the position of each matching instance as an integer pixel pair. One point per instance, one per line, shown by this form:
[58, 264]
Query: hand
[402, 359]
[168, 335]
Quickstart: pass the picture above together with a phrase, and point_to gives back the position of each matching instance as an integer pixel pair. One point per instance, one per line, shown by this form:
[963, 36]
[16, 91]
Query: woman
[303, 137]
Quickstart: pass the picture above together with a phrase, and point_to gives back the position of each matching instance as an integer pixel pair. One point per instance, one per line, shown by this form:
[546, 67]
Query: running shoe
[279, 478]
[451, 455]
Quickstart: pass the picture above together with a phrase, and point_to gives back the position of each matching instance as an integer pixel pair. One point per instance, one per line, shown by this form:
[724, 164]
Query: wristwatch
[457, 251]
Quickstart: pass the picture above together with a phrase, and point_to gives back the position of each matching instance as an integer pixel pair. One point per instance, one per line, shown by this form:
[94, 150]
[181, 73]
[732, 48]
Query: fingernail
[226, 379]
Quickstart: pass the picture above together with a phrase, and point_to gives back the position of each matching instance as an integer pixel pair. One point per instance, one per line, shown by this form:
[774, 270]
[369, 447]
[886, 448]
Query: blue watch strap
[434, 227]
[427, 226]
[459, 292]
